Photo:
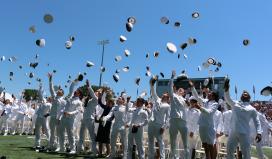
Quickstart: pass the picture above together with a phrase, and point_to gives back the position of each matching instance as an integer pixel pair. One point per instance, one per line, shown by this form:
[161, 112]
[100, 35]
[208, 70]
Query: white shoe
[59, 150]
[72, 152]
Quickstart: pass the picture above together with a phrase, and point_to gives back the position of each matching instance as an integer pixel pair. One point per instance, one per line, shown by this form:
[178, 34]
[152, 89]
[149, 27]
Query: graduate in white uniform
[242, 113]
[178, 120]
[119, 114]
[30, 119]
[42, 113]
[67, 117]
[159, 121]
[58, 103]
[20, 115]
[5, 115]
[207, 131]
[88, 120]
[226, 120]
[192, 121]
[265, 134]
[136, 128]
[218, 126]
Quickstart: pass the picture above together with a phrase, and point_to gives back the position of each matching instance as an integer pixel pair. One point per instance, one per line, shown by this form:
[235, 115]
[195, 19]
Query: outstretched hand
[152, 81]
[226, 84]
[191, 83]
[87, 83]
[50, 75]
[173, 74]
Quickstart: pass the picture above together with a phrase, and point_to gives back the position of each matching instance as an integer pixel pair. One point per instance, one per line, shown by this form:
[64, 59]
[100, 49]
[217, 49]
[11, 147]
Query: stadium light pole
[103, 43]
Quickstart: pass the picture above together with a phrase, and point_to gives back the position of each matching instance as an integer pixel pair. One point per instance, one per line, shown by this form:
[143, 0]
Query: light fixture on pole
[103, 43]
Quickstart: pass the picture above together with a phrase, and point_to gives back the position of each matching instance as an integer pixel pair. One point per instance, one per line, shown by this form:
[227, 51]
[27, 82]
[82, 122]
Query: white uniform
[192, 122]
[30, 120]
[265, 135]
[226, 119]
[119, 113]
[159, 119]
[88, 122]
[218, 122]
[20, 117]
[206, 122]
[4, 116]
[242, 112]
[41, 122]
[178, 122]
[139, 117]
[67, 121]
[57, 104]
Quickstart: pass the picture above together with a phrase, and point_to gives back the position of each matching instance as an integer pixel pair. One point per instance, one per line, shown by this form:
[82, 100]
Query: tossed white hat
[68, 44]
[40, 42]
[89, 64]
[171, 47]
[122, 38]
[116, 77]
[127, 52]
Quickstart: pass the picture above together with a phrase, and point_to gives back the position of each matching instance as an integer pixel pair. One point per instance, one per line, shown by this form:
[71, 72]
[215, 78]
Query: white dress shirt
[178, 104]
[207, 110]
[242, 112]
[192, 119]
[226, 119]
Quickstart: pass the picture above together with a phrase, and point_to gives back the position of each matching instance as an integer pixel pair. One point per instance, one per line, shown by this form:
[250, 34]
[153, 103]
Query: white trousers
[41, 122]
[154, 132]
[54, 131]
[234, 139]
[4, 125]
[89, 125]
[259, 149]
[116, 129]
[19, 124]
[136, 138]
[178, 125]
[66, 125]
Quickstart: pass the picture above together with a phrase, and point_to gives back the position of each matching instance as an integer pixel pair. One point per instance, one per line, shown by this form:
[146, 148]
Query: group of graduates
[192, 115]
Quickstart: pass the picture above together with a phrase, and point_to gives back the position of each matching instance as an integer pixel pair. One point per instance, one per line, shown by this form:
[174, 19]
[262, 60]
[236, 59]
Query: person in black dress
[103, 133]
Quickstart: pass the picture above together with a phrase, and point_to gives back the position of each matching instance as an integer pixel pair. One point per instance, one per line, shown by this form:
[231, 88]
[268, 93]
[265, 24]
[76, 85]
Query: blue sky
[220, 30]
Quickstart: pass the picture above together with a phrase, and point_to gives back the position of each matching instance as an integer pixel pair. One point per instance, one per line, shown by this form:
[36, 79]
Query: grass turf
[20, 147]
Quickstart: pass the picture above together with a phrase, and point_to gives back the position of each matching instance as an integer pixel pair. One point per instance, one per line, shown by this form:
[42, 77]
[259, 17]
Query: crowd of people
[124, 125]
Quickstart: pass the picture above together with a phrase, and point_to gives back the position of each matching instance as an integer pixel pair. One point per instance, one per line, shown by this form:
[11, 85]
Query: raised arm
[171, 85]
[153, 91]
[51, 86]
[72, 87]
[100, 101]
[40, 93]
[228, 100]
[195, 94]
[91, 91]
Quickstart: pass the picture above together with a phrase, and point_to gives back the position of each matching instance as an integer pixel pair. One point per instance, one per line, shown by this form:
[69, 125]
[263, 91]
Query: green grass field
[20, 147]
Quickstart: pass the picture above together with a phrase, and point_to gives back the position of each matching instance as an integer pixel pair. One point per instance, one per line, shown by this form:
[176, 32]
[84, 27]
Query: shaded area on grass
[21, 147]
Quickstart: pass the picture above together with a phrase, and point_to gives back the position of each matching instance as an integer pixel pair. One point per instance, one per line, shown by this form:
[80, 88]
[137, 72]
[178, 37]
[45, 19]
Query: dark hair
[80, 94]
[215, 96]
[141, 100]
